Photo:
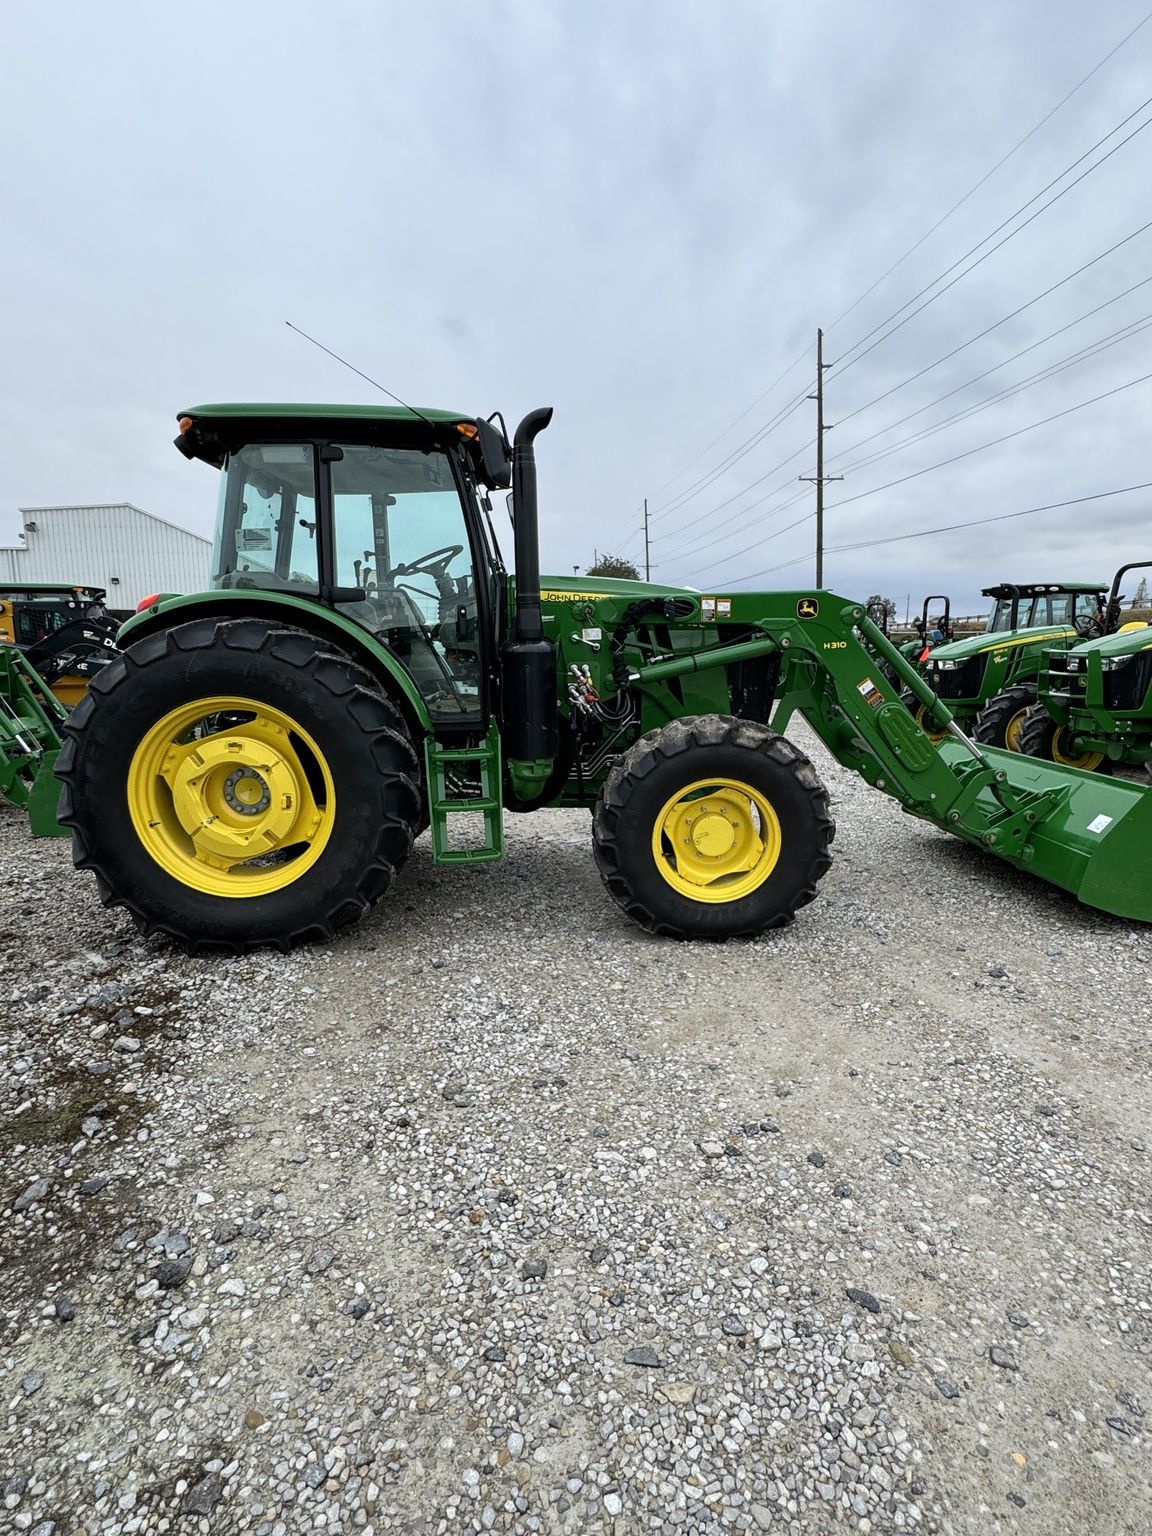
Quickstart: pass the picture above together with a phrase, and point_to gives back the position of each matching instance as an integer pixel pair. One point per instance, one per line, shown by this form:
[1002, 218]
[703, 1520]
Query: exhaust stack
[528, 694]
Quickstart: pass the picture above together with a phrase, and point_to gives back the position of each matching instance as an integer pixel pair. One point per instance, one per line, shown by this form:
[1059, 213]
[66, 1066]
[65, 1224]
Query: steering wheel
[1086, 625]
[434, 564]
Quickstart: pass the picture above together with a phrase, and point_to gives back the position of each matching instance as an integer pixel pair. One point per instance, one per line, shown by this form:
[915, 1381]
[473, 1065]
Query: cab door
[400, 534]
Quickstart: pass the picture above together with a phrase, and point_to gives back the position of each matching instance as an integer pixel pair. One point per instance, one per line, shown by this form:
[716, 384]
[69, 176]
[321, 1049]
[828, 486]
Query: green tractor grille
[957, 682]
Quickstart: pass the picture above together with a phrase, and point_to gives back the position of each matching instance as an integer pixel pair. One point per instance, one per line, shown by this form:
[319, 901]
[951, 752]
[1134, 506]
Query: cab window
[266, 529]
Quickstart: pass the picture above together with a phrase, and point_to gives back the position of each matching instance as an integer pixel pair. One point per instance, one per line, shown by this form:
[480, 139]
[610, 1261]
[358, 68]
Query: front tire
[1001, 720]
[919, 713]
[712, 828]
[235, 784]
[1040, 736]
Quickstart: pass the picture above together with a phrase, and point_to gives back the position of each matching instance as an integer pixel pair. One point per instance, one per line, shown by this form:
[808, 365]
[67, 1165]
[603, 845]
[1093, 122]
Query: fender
[283, 607]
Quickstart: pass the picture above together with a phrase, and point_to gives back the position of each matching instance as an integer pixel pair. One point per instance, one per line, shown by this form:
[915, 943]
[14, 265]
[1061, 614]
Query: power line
[979, 522]
[737, 453]
[1020, 143]
[943, 463]
[946, 357]
[911, 249]
[1051, 336]
[968, 452]
[1082, 355]
[987, 331]
[852, 361]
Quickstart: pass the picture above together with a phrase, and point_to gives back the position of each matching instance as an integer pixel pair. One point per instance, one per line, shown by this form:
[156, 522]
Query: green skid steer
[989, 680]
[30, 720]
[255, 765]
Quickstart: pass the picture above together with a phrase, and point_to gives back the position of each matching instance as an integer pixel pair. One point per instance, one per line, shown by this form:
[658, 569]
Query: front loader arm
[1053, 820]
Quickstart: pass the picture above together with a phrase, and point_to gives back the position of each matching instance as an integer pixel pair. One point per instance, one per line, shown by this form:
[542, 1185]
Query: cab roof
[265, 410]
[1009, 589]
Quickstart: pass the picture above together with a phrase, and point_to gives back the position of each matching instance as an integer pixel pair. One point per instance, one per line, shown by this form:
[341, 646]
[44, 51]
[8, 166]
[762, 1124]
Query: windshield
[1048, 608]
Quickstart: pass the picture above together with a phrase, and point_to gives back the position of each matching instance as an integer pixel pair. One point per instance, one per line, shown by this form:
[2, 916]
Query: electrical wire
[943, 463]
[946, 357]
[1020, 143]
[913, 248]
[843, 365]
[979, 522]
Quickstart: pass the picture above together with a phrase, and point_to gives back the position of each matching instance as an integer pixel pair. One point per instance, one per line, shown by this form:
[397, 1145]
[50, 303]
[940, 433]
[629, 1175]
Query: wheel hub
[712, 834]
[247, 792]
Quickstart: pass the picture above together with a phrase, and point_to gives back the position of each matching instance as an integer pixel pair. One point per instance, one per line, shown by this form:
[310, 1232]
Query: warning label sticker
[1099, 823]
[870, 692]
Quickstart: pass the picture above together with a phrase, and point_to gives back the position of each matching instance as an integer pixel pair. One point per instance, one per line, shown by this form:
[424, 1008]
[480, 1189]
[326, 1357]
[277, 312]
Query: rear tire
[757, 823]
[1001, 720]
[334, 767]
[1040, 736]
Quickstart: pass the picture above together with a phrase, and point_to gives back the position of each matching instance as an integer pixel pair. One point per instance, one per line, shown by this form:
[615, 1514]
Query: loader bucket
[1092, 834]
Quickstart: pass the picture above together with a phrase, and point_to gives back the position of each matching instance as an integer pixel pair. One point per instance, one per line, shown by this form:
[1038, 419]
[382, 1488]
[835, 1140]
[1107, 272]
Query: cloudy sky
[638, 213]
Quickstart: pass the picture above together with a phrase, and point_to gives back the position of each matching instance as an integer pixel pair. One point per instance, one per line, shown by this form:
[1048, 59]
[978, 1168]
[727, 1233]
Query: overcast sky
[636, 213]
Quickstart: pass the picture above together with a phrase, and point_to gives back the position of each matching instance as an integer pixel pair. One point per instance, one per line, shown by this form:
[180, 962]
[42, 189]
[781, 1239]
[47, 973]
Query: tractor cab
[1043, 606]
[378, 514]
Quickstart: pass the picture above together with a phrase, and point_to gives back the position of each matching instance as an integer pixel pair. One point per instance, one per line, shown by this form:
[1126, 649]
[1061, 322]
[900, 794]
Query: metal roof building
[128, 552]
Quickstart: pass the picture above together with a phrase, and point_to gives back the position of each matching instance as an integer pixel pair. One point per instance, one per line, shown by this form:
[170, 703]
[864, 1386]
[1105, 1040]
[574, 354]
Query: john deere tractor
[254, 766]
[1095, 705]
[989, 680]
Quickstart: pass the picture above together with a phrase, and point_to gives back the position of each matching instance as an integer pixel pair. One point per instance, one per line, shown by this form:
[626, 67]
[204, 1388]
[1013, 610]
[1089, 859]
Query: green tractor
[989, 680]
[254, 766]
[1095, 705]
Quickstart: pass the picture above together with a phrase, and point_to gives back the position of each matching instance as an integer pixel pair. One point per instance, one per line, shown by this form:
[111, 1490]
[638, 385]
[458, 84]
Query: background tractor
[65, 633]
[928, 632]
[989, 680]
[1095, 704]
[254, 766]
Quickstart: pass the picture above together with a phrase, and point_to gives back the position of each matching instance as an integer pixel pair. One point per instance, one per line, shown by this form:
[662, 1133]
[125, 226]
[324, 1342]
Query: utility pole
[820, 479]
[647, 561]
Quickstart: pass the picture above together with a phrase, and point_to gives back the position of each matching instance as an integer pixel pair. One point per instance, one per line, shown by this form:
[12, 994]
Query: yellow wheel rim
[231, 797]
[716, 840]
[933, 735]
[1089, 761]
[1012, 730]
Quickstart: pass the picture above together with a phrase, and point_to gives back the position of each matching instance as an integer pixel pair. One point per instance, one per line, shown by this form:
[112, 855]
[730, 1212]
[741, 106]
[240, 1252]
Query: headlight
[1069, 664]
[946, 666]
[1114, 663]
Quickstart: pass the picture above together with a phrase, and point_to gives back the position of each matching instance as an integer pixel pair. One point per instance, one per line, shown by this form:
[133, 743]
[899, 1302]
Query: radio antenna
[347, 364]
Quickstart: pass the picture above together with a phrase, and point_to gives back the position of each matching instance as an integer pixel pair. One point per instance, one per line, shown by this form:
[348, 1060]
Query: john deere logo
[807, 608]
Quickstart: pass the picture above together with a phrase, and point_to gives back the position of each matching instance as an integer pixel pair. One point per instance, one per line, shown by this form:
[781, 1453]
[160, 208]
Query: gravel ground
[501, 1215]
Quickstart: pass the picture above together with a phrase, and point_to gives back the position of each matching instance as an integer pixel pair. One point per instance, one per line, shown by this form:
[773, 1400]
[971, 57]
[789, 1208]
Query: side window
[266, 530]
[402, 538]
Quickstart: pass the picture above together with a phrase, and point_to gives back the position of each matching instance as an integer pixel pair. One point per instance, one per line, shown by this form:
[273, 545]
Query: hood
[1125, 643]
[980, 645]
[568, 588]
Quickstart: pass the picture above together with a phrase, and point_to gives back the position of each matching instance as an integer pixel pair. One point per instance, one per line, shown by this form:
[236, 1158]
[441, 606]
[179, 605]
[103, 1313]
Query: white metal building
[128, 552]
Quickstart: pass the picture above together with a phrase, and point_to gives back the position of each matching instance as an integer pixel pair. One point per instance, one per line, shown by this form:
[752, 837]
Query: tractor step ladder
[439, 762]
